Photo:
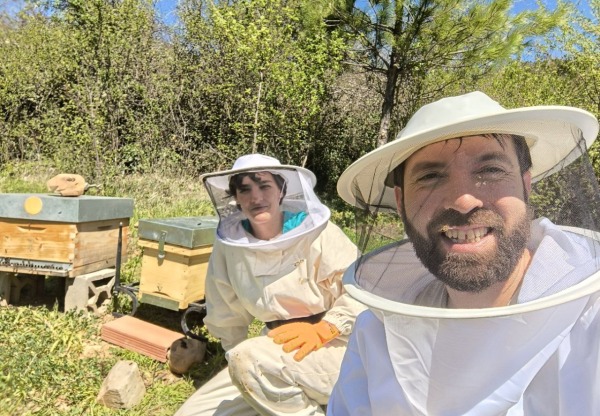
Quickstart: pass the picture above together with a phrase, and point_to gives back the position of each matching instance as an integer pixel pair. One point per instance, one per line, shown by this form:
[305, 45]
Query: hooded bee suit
[295, 275]
[540, 354]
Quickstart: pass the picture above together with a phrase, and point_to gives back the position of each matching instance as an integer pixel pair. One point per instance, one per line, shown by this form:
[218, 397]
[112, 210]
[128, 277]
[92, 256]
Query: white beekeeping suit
[294, 276]
[538, 354]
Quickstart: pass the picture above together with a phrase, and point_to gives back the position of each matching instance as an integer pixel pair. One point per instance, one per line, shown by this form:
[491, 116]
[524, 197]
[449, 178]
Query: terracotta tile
[140, 336]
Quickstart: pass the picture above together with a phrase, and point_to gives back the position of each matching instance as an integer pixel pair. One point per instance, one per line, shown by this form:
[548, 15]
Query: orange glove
[303, 337]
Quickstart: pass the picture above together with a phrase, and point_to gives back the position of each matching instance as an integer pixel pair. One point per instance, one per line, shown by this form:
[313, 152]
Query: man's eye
[265, 187]
[429, 177]
[492, 171]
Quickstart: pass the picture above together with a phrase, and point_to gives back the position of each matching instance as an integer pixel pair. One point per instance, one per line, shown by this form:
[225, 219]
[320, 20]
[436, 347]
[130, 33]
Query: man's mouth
[462, 236]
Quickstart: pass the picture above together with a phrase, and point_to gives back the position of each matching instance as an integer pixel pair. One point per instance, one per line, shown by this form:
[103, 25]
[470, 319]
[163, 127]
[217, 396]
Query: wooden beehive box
[175, 259]
[61, 236]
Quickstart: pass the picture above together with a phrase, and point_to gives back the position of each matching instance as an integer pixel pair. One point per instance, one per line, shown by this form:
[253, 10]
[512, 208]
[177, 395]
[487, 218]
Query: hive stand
[87, 292]
[12, 286]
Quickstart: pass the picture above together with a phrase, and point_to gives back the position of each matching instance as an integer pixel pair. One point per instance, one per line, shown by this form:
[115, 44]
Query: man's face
[464, 208]
[259, 198]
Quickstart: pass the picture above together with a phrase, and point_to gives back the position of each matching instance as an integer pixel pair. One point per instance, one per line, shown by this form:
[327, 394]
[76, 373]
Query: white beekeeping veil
[480, 361]
[298, 196]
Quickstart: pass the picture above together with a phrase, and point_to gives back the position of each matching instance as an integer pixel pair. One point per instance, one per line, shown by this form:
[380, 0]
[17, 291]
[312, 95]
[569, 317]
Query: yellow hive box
[173, 275]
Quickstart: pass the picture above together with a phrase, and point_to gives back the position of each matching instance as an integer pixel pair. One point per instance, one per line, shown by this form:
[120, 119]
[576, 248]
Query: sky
[521, 5]
[166, 8]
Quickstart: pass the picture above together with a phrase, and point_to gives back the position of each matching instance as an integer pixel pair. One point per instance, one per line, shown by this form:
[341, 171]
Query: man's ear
[399, 201]
[527, 184]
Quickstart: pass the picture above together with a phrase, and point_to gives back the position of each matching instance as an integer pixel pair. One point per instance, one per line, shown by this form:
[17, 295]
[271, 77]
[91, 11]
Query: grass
[54, 363]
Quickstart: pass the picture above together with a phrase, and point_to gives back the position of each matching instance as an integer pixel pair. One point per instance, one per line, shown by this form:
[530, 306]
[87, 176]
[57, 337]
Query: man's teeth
[466, 236]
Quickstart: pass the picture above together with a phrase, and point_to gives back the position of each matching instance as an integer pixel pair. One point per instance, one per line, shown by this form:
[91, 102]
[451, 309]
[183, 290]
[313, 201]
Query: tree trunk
[387, 107]
[256, 113]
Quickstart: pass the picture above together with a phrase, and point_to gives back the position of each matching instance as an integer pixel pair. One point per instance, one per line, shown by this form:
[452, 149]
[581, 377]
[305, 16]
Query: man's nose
[464, 196]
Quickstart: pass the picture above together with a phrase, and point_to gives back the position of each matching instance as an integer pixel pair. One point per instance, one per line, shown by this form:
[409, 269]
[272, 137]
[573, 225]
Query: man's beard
[471, 272]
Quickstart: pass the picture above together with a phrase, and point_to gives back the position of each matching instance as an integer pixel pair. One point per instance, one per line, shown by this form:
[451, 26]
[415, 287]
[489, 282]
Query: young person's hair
[235, 182]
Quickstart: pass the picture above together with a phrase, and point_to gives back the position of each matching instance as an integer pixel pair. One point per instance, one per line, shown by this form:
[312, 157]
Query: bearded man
[491, 306]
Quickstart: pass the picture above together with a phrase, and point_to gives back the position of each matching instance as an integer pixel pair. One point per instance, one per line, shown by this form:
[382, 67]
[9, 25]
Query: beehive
[61, 236]
[175, 259]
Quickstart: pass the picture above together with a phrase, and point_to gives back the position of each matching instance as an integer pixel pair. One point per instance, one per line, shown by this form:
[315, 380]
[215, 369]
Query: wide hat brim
[548, 130]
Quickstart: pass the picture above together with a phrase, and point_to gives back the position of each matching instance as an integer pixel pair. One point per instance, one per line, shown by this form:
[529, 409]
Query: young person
[277, 258]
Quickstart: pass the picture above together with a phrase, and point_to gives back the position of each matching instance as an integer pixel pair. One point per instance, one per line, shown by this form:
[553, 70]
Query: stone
[184, 353]
[88, 292]
[67, 184]
[123, 387]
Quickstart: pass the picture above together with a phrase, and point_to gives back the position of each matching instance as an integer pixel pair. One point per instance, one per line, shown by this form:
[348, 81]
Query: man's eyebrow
[426, 165]
[499, 156]
[495, 156]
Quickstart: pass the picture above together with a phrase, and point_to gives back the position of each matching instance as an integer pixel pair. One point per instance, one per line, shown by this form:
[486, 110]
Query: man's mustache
[453, 218]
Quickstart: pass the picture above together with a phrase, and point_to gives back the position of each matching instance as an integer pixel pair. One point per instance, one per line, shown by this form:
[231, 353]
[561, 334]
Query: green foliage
[259, 82]
[418, 49]
[348, 129]
[86, 87]
[100, 88]
[562, 70]
[24, 178]
[37, 377]
[579, 66]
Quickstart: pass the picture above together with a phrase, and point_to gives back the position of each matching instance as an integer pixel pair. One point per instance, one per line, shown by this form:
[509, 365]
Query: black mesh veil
[567, 195]
[570, 196]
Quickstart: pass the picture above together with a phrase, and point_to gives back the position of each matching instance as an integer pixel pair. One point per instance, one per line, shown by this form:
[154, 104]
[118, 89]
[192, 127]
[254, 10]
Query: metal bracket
[161, 246]
[198, 308]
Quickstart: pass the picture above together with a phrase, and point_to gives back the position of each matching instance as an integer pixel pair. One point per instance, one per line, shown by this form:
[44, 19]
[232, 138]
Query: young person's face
[464, 206]
[259, 198]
